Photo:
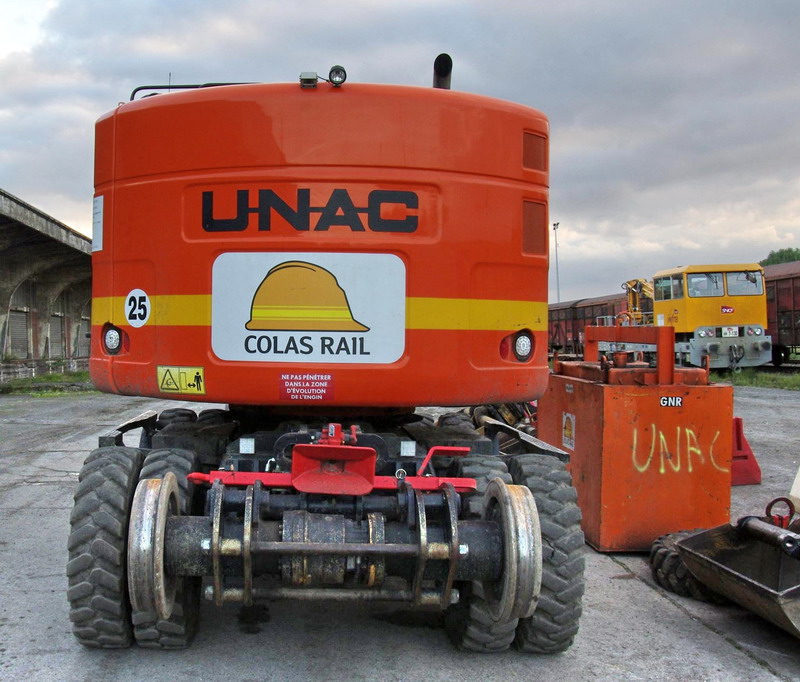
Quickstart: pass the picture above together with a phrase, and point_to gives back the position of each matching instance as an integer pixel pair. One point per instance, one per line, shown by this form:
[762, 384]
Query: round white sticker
[137, 308]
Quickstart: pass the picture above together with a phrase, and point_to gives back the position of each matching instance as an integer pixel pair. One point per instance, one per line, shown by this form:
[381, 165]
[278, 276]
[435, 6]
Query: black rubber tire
[468, 623]
[178, 631]
[470, 626]
[175, 415]
[455, 419]
[98, 548]
[554, 624]
[670, 572]
[780, 354]
[482, 468]
[213, 416]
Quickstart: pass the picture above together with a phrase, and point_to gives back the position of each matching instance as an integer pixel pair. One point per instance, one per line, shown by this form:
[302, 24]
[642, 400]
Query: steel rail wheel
[178, 630]
[516, 594]
[151, 589]
[551, 628]
[468, 623]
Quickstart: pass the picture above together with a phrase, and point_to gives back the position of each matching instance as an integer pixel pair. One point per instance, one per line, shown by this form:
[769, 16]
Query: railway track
[786, 368]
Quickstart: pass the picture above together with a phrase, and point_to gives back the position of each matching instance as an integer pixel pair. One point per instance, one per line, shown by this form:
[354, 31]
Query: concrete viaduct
[45, 291]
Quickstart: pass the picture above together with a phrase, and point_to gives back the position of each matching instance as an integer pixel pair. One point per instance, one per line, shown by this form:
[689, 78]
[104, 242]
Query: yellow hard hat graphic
[301, 296]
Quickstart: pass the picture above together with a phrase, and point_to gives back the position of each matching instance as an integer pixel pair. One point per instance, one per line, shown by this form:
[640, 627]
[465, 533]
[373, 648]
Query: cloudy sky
[675, 123]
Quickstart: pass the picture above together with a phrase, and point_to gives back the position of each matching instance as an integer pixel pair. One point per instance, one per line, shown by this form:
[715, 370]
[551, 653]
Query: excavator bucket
[754, 564]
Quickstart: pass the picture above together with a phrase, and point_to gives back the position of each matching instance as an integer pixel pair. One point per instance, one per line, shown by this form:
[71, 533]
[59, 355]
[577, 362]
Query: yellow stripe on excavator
[421, 313]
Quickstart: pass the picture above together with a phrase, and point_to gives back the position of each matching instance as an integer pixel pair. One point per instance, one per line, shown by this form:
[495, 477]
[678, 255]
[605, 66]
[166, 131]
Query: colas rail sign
[308, 307]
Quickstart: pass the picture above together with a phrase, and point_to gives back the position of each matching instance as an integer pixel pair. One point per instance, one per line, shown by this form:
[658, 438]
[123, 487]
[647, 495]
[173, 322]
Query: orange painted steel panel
[356, 246]
[646, 458]
[642, 465]
[662, 337]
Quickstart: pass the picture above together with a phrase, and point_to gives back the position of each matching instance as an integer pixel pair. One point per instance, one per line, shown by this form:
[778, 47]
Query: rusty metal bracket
[376, 567]
[422, 559]
[329, 594]
[491, 427]
[146, 421]
[218, 490]
[451, 498]
[247, 538]
[776, 536]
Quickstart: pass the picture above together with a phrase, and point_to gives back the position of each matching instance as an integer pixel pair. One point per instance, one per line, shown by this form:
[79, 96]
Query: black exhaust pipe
[442, 68]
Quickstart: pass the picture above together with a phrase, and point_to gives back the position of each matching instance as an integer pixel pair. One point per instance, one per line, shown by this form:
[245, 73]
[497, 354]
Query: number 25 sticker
[137, 308]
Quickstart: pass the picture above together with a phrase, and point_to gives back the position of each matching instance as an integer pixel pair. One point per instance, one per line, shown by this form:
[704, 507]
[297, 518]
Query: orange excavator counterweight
[392, 239]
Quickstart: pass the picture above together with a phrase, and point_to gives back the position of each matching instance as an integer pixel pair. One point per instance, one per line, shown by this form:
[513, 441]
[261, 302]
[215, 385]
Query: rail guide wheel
[517, 592]
[150, 587]
[551, 628]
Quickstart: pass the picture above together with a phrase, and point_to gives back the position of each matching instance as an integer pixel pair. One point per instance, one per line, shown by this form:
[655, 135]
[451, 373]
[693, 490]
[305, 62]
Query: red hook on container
[777, 519]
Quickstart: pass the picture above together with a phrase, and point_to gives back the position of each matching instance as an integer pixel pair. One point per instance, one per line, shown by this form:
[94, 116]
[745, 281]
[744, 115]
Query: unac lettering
[338, 211]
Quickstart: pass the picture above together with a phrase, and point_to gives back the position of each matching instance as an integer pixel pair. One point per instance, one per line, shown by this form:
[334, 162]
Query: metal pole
[558, 282]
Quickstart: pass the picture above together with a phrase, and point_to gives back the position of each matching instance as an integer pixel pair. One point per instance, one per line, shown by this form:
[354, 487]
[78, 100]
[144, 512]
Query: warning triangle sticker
[168, 382]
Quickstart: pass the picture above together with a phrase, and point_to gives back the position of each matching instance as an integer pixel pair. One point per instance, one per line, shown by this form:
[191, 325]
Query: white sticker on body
[308, 307]
[97, 223]
[137, 308]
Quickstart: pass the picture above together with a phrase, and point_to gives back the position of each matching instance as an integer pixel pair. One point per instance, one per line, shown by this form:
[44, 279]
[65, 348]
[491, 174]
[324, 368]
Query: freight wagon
[783, 309]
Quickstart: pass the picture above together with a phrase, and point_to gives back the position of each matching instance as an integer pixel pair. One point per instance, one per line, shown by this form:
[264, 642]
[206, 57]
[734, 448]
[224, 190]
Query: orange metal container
[355, 246]
[650, 448]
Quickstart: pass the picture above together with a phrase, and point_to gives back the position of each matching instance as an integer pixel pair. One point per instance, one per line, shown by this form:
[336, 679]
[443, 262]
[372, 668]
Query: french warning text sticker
[308, 307]
[306, 386]
[183, 380]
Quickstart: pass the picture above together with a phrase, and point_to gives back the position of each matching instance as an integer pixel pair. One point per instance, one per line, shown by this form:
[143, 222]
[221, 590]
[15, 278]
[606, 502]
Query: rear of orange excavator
[392, 240]
[323, 257]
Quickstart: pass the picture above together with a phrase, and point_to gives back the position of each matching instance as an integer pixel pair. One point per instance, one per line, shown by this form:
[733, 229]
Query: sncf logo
[338, 210]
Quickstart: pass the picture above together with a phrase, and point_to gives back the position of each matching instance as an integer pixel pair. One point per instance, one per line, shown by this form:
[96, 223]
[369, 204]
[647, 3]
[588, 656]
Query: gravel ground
[630, 630]
[770, 418]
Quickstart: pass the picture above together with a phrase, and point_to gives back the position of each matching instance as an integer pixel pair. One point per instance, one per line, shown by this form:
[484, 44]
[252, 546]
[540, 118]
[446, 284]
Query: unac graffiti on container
[672, 453]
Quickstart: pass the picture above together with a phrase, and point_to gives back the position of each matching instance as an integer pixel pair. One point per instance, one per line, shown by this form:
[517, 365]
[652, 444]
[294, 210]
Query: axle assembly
[409, 512]
[251, 550]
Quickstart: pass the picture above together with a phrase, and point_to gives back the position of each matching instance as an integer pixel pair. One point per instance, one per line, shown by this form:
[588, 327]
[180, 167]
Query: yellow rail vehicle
[718, 311]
